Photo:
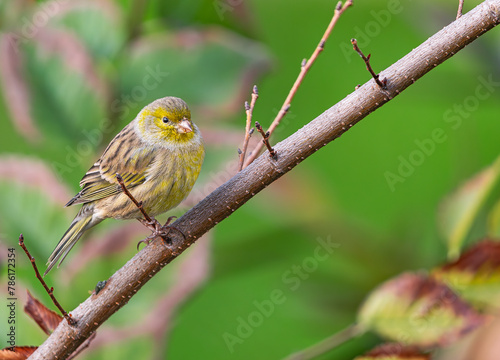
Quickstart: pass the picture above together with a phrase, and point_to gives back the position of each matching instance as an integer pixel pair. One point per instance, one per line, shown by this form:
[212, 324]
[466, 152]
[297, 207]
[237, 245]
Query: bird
[158, 155]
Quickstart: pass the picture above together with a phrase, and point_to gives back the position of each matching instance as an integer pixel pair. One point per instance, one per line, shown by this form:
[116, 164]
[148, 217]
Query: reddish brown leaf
[483, 255]
[395, 351]
[17, 352]
[47, 319]
[15, 88]
[415, 309]
[476, 274]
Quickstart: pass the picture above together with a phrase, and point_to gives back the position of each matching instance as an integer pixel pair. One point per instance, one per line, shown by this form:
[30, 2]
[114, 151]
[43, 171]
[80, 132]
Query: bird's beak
[184, 126]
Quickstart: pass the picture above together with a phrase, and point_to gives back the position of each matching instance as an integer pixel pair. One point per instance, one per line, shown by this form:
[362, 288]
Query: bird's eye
[165, 119]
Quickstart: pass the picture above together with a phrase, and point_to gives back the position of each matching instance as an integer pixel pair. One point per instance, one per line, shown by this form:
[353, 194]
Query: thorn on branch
[50, 291]
[265, 140]
[382, 83]
[460, 8]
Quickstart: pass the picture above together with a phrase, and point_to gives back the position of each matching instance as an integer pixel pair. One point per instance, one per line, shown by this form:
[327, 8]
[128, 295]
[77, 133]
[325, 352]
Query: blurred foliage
[417, 310]
[73, 73]
[392, 351]
[460, 209]
[475, 275]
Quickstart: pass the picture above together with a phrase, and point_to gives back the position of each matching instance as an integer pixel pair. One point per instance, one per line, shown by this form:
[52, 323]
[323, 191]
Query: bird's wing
[125, 155]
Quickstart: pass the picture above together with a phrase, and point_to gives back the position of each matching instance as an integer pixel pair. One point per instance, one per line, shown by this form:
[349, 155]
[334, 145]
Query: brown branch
[305, 66]
[223, 201]
[83, 346]
[248, 131]
[265, 140]
[366, 59]
[189, 275]
[50, 291]
[460, 8]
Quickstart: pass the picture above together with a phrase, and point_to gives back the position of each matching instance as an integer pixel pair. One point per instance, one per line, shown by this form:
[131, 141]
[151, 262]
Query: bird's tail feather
[79, 225]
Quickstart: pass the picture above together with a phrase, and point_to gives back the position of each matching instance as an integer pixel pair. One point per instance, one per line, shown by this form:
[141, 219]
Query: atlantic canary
[159, 156]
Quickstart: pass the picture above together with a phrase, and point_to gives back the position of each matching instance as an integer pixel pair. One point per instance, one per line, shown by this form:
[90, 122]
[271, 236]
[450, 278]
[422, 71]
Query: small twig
[137, 203]
[460, 8]
[366, 59]
[265, 140]
[248, 131]
[305, 66]
[50, 291]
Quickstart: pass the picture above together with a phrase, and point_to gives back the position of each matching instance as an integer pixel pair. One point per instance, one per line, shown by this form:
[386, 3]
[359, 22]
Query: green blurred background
[73, 73]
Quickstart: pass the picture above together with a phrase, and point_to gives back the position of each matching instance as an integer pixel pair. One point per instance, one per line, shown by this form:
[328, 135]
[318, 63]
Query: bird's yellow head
[167, 122]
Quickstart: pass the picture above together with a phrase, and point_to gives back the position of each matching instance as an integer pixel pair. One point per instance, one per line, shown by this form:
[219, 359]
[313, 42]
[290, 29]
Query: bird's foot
[159, 230]
[153, 225]
[145, 241]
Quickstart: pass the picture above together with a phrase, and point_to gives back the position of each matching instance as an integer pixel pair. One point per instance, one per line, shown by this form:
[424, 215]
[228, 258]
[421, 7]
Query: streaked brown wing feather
[125, 155]
[93, 174]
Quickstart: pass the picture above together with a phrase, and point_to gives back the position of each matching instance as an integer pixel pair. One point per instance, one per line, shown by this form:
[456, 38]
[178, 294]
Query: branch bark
[222, 202]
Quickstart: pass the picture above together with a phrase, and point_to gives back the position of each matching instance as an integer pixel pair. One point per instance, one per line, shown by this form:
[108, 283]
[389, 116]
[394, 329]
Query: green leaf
[98, 25]
[417, 310]
[64, 102]
[459, 210]
[475, 276]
